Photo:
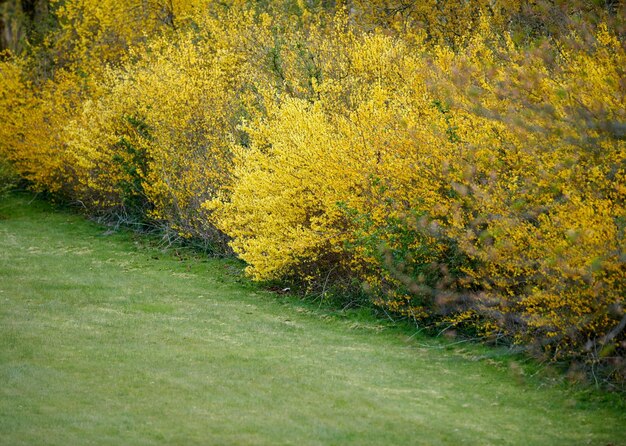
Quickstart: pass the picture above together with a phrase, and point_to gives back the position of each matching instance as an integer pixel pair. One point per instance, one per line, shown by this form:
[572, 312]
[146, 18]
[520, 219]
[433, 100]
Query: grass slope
[105, 340]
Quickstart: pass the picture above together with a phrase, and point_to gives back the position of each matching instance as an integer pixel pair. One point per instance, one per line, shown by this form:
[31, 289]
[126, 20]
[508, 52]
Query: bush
[480, 186]
[462, 163]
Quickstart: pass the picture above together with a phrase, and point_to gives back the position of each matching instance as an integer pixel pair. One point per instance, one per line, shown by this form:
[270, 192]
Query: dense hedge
[462, 165]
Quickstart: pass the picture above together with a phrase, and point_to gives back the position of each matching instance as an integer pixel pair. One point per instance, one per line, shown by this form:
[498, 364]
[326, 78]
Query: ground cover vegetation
[108, 338]
[459, 164]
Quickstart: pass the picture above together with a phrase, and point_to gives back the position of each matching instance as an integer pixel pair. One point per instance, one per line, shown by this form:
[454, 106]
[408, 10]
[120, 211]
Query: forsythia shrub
[31, 133]
[95, 32]
[309, 162]
[158, 142]
[463, 163]
[430, 190]
[549, 237]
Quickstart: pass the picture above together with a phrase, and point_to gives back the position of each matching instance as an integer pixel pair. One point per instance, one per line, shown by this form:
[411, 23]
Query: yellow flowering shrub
[95, 32]
[547, 225]
[30, 135]
[158, 142]
[313, 168]
[13, 104]
[462, 163]
[416, 173]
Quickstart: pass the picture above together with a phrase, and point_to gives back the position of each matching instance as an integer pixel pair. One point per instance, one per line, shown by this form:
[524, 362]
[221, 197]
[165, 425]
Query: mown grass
[105, 339]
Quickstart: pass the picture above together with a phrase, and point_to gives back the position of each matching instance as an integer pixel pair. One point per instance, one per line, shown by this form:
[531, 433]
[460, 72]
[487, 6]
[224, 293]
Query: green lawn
[104, 339]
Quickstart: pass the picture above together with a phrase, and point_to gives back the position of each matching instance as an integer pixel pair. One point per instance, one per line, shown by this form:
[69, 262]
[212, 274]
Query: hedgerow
[462, 164]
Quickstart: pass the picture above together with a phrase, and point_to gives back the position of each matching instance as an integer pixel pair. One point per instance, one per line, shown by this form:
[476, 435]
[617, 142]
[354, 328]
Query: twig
[323, 295]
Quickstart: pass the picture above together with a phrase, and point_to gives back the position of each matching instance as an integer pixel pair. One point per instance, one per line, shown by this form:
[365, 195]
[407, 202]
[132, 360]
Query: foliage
[8, 178]
[33, 118]
[463, 163]
[544, 219]
[163, 130]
